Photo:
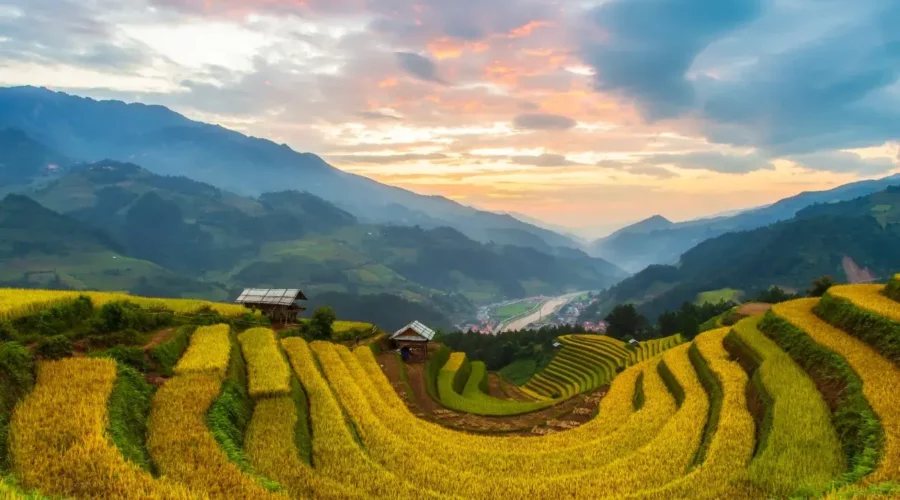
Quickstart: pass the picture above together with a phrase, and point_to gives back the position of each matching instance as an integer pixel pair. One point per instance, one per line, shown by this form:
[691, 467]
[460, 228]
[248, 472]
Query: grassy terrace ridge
[870, 382]
[799, 452]
[462, 386]
[865, 313]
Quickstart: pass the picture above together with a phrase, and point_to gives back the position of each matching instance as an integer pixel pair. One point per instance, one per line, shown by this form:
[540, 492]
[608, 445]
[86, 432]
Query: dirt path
[513, 392]
[389, 365]
[546, 309]
[566, 415]
[158, 338]
[753, 308]
[494, 387]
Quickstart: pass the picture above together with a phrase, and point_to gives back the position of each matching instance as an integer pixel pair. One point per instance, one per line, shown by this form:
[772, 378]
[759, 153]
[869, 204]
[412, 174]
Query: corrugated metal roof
[417, 327]
[276, 296]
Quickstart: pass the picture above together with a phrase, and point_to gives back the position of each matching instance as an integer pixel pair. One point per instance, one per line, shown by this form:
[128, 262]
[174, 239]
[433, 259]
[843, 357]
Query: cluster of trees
[625, 322]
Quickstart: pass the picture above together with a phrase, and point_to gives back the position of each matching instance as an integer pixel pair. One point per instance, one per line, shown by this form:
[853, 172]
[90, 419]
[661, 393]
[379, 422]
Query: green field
[714, 296]
[514, 309]
[519, 371]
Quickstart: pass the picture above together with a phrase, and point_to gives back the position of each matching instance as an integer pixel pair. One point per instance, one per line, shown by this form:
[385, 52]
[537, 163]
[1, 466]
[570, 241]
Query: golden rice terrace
[113, 396]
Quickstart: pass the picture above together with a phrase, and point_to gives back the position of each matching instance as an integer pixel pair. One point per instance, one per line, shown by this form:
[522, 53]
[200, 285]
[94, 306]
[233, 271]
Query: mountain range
[132, 229]
[167, 143]
[853, 240]
[657, 240]
[133, 197]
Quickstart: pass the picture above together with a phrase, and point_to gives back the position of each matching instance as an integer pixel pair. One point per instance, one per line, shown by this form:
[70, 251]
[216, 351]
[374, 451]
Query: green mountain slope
[657, 241]
[821, 239]
[290, 238]
[39, 247]
[168, 143]
[25, 161]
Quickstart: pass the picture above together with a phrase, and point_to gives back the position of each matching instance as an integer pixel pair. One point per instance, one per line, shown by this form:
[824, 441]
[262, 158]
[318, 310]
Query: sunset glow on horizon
[587, 115]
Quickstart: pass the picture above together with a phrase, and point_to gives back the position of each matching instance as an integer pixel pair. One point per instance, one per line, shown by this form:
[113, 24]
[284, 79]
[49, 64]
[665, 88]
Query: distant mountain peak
[654, 219]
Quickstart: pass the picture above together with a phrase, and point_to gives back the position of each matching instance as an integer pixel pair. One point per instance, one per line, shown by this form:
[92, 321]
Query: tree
[775, 295]
[668, 323]
[820, 285]
[625, 320]
[321, 322]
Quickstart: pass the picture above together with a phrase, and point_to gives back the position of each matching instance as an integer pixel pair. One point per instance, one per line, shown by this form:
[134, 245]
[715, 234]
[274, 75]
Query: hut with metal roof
[279, 304]
[412, 341]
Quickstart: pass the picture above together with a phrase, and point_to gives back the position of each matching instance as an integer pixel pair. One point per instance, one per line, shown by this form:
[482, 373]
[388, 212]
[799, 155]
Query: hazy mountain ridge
[651, 242]
[167, 143]
[292, 238]
[788, 254]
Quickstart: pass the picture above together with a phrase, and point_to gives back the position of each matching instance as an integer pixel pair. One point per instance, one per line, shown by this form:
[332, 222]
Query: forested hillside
[168, 143]
[184, 237]
[820, 240]
[658, 241]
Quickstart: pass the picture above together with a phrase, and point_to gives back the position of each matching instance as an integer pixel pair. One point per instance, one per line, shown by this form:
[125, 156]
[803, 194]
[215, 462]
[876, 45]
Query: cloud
[69, 32]
[838, 91]
[648, 46]
[385, 159]
[544, 160]
[786, 77]
[652, 171]
[713, 160]
[543, 121]
[844, 161]
[378, 115]
[418, 66]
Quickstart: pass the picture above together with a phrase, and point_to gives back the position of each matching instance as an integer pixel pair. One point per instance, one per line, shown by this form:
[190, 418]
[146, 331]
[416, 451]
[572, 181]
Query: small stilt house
[412, 341]
[279, 304]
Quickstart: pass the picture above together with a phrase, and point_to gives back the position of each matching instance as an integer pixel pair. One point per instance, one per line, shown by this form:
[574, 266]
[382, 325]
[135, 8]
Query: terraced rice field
[462, 386]
[586, 362]
[786, 405]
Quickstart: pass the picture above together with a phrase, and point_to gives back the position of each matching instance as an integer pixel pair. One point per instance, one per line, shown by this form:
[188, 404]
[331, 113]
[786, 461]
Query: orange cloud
[527, 28]
[387, 83]
[445, 48]
[448, 48]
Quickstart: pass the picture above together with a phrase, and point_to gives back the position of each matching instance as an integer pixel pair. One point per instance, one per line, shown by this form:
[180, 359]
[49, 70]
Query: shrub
[7, 331]
[129, 356]
[878, 331]
[59, 317]
[169, 352]
[128, 408]
[321, 323]
[55, 347]
[122, 315]
[892, 290]
[127, 337]
[16, 381]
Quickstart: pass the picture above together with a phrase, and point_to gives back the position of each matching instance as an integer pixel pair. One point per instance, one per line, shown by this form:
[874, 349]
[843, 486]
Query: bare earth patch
[856, 274]
[753, 308]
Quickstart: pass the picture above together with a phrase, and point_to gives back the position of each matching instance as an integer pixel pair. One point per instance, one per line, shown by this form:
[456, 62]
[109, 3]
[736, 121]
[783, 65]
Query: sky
[586, 115]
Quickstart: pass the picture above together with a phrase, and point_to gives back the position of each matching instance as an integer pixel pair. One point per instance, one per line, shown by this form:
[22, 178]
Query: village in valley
[494, 318]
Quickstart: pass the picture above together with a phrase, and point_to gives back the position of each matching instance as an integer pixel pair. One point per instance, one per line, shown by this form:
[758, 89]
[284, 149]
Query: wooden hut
[412, 341]
[279, 304]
